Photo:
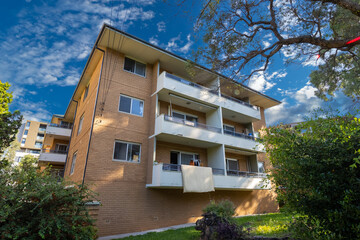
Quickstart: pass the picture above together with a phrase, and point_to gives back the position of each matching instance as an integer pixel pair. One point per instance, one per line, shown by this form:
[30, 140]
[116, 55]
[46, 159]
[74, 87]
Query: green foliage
[316, 172]
[36, 205]
[224, 209]
[9, 122]
[10, 152]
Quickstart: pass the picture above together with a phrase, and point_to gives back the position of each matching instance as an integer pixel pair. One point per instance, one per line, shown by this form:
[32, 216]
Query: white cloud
[262, 81]
[154, 41]
[161, 26]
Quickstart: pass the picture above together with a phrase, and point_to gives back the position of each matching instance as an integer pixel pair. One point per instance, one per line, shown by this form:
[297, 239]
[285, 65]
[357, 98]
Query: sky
[44, 45]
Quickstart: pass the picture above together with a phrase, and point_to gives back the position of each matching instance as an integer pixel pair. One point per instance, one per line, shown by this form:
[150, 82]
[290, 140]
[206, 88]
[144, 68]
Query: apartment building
[55, 145]
[31, 137]
[139, 115]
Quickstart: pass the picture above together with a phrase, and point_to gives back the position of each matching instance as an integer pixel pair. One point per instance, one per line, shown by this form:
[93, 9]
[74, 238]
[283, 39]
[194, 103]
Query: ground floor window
[126, 151]
[73, 163]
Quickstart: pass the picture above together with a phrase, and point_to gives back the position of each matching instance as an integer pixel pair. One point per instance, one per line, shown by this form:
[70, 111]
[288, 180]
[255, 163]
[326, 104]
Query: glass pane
[129, 65]
[191, 119]
[26, 132]
[178, 115]
[232, 165]
[120, 151]
[137, 107]
[140, 68]
[134, 153]
[125, 104]
[73, 163]
[186, 158]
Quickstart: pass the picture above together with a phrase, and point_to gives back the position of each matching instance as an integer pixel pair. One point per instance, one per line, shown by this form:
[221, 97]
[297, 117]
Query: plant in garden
[316, 173]
[36, 205]
[224, 209]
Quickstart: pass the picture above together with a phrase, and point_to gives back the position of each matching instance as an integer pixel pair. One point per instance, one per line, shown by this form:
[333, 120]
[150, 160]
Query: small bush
[224, 209]
[219, 228]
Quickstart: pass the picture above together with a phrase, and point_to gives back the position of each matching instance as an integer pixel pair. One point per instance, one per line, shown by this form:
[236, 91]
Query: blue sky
[44, 46]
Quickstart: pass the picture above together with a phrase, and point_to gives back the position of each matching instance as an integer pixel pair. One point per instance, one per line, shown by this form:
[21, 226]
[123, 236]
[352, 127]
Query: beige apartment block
[138, 115]
[31, 137]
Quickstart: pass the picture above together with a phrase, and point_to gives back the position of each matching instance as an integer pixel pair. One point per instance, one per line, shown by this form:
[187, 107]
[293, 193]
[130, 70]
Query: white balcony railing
[169, 176]
[181, 128]
[206, 95]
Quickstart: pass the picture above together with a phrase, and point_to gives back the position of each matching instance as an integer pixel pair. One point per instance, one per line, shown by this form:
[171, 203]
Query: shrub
[36, 205]
[224, 209]
[219, 228]
[316, 173]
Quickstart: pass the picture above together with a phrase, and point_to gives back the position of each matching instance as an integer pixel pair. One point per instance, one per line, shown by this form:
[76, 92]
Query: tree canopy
[242, 37]
[9, 122]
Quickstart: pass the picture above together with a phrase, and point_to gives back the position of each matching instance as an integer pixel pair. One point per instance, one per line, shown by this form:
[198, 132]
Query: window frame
[134, 66]
[81, 120]
[234, 160]
[228, 125]
[188, 153]
[73, 163]
[131, 103]
[127, 150]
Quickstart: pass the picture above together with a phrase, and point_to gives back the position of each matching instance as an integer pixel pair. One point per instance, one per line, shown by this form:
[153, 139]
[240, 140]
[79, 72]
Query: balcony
[169, 176]
[200, 135]
[53, 156]
[168, 83]
[59, 130]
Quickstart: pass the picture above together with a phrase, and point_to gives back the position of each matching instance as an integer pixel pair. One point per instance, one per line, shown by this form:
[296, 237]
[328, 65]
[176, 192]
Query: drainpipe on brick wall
[72, 128]
[93, 119]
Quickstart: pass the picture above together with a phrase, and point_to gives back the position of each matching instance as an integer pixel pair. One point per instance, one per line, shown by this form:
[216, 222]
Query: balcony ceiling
[184, 101]
[185, 141]
[237, 117]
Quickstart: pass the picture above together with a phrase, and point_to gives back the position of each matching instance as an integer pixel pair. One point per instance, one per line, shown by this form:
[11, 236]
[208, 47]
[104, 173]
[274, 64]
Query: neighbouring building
[55, 145]
[31, 137]
[138, 114]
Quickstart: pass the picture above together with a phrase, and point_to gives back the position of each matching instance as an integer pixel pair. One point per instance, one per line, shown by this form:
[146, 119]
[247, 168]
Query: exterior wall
[163, 150]
[32, 134]
[79, 142]
[261, 123]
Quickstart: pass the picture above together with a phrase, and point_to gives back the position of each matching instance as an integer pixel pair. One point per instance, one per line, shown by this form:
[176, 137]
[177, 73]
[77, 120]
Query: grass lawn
[269, 225]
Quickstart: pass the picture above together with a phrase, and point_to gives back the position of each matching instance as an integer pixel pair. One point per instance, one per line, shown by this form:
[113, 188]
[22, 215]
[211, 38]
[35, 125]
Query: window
[125, 151]
[27, 125]
[34, 151]
[26, 132]
[38, 144]
[80, 124]
[61, 148]
[229, 129]
[186, 118]
[23, 141]
[232, 166]
[261, 167]
[131, 105]
[40, 136]
[184, 158]
[134, 66]
[86, 91]
[73, 163]
[42, 127]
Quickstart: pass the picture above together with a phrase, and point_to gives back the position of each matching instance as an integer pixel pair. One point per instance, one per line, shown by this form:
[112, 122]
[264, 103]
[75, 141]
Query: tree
[316, 173]
[242, 37]
[9, 122]
[10, 151]
[36, 205]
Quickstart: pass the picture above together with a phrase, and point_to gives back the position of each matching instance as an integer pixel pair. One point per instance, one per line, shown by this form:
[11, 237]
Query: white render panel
[178, 129]
[173, 179]
[52, 157]
[205, 96]
[58, 131]
[216, 157]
